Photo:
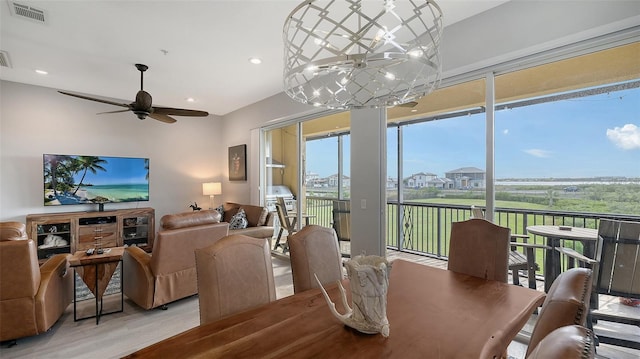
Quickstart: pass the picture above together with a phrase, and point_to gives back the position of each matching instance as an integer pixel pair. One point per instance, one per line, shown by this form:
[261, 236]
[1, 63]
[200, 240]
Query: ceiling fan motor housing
[142, 106]
[141, 114]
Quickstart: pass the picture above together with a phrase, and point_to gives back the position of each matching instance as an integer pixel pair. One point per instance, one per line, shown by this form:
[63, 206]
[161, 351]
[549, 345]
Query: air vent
[4, 59]
[27, 12]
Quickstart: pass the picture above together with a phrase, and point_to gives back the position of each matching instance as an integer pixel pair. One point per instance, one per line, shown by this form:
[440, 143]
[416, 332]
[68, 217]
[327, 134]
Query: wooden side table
[96, 271]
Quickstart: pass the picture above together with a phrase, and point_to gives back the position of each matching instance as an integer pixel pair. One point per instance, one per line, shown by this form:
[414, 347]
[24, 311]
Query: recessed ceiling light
[190, 99]
[414, 110]
[255, 60]
[41, 72]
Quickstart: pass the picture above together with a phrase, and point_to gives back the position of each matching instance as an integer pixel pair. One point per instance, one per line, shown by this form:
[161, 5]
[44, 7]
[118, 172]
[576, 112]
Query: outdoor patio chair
[342, 225]
[616, 273]
[286, 224]
[517, 260]
[479, 248]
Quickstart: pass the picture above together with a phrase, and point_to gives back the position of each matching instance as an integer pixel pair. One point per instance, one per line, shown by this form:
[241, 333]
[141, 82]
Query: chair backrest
[12, 231]
[19, 267]
[567, 303]
[234, 274]
[568, 342]
[342, 219]
[314, 251]
[477, 212]
[282, 216]
[282, 203]
[479, 248]
[19, 282]
[618, 255]
[179, 236]
[342, 225]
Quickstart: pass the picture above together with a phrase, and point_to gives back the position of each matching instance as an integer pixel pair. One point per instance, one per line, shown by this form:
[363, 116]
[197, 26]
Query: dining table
[554, 235]
[433, 313]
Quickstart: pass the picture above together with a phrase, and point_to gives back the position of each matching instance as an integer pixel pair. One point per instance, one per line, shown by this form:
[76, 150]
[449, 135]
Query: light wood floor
[123, 333]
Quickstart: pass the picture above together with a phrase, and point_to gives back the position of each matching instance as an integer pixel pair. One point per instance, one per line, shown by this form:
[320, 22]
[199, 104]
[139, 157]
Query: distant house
[441, 183]
[419, 180]
[467, 178]
[332, 181]
[311, 179]
[392, 183]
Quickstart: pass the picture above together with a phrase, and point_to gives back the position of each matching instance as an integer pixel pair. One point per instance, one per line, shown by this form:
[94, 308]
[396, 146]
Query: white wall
[36, 120]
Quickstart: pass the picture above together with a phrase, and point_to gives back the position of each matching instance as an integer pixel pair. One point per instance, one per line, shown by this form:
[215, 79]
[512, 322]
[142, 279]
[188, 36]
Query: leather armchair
[169, 273]
[567, 303]
[569, 342]
[32, 297]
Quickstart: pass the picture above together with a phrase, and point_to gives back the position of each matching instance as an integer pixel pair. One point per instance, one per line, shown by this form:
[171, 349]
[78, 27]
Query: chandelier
[346, 54]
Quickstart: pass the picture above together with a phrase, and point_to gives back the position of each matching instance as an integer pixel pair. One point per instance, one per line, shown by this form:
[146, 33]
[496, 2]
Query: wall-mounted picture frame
[238, 163]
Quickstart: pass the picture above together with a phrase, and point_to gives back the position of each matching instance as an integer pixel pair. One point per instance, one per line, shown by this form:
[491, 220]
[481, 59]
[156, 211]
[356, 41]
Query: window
[325, 175]
[571, 152]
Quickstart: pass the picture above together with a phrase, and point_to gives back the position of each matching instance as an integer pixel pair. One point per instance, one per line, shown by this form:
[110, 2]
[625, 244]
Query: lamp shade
[211, 188]
[358, 54]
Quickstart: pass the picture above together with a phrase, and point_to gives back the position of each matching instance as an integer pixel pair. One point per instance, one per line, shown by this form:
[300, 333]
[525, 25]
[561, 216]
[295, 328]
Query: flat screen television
[71, 179]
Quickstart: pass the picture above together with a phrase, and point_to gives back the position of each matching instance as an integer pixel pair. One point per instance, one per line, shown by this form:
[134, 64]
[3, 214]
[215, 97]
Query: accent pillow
[239, 220]
[220, 210]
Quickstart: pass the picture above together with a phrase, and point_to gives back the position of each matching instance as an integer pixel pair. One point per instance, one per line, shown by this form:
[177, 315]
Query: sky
[591, 136]
[119, 170]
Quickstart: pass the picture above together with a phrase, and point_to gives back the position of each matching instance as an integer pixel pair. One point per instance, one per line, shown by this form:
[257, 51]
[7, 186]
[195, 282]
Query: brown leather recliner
[169, 273]
[32, 297]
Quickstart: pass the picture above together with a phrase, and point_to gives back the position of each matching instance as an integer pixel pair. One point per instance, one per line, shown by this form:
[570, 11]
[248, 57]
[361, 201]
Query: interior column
[368, 181]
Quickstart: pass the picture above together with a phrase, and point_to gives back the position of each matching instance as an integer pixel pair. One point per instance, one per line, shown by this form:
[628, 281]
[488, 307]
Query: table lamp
[211, 189]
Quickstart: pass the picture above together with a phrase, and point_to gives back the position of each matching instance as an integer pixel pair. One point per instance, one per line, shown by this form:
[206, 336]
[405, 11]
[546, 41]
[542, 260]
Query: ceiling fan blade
[179, 112]
[410, 104]
[162, 117]
[116, 111]
[95, 99]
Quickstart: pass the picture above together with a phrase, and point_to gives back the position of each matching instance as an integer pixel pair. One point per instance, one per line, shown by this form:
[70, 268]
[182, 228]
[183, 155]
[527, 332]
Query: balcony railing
[426, 228]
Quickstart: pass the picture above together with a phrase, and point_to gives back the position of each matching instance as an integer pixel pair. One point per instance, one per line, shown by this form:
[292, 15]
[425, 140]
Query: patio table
[433, 313]
[554, 235]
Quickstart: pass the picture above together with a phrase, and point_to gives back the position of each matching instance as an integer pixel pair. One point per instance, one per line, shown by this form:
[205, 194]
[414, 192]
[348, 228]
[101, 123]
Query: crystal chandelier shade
[356, 54]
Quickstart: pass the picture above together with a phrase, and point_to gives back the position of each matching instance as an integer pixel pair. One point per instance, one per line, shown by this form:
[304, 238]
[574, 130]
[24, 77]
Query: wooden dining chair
[286, 224]
[567, 303]
[314, 252]
[517, 259]
[342, 226]
[568, 342]
[616, 273]
[234, 274]
[479, 248]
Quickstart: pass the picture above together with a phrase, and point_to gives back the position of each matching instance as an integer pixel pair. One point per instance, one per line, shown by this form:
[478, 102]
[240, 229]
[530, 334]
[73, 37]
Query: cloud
[538, 153]
[626, 137]
[506, 131]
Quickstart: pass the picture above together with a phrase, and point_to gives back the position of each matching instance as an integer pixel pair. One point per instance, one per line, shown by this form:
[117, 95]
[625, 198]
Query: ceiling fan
[142, 106]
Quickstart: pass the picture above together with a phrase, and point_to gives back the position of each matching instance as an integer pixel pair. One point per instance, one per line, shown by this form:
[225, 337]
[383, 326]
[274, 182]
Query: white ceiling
[196, 49]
